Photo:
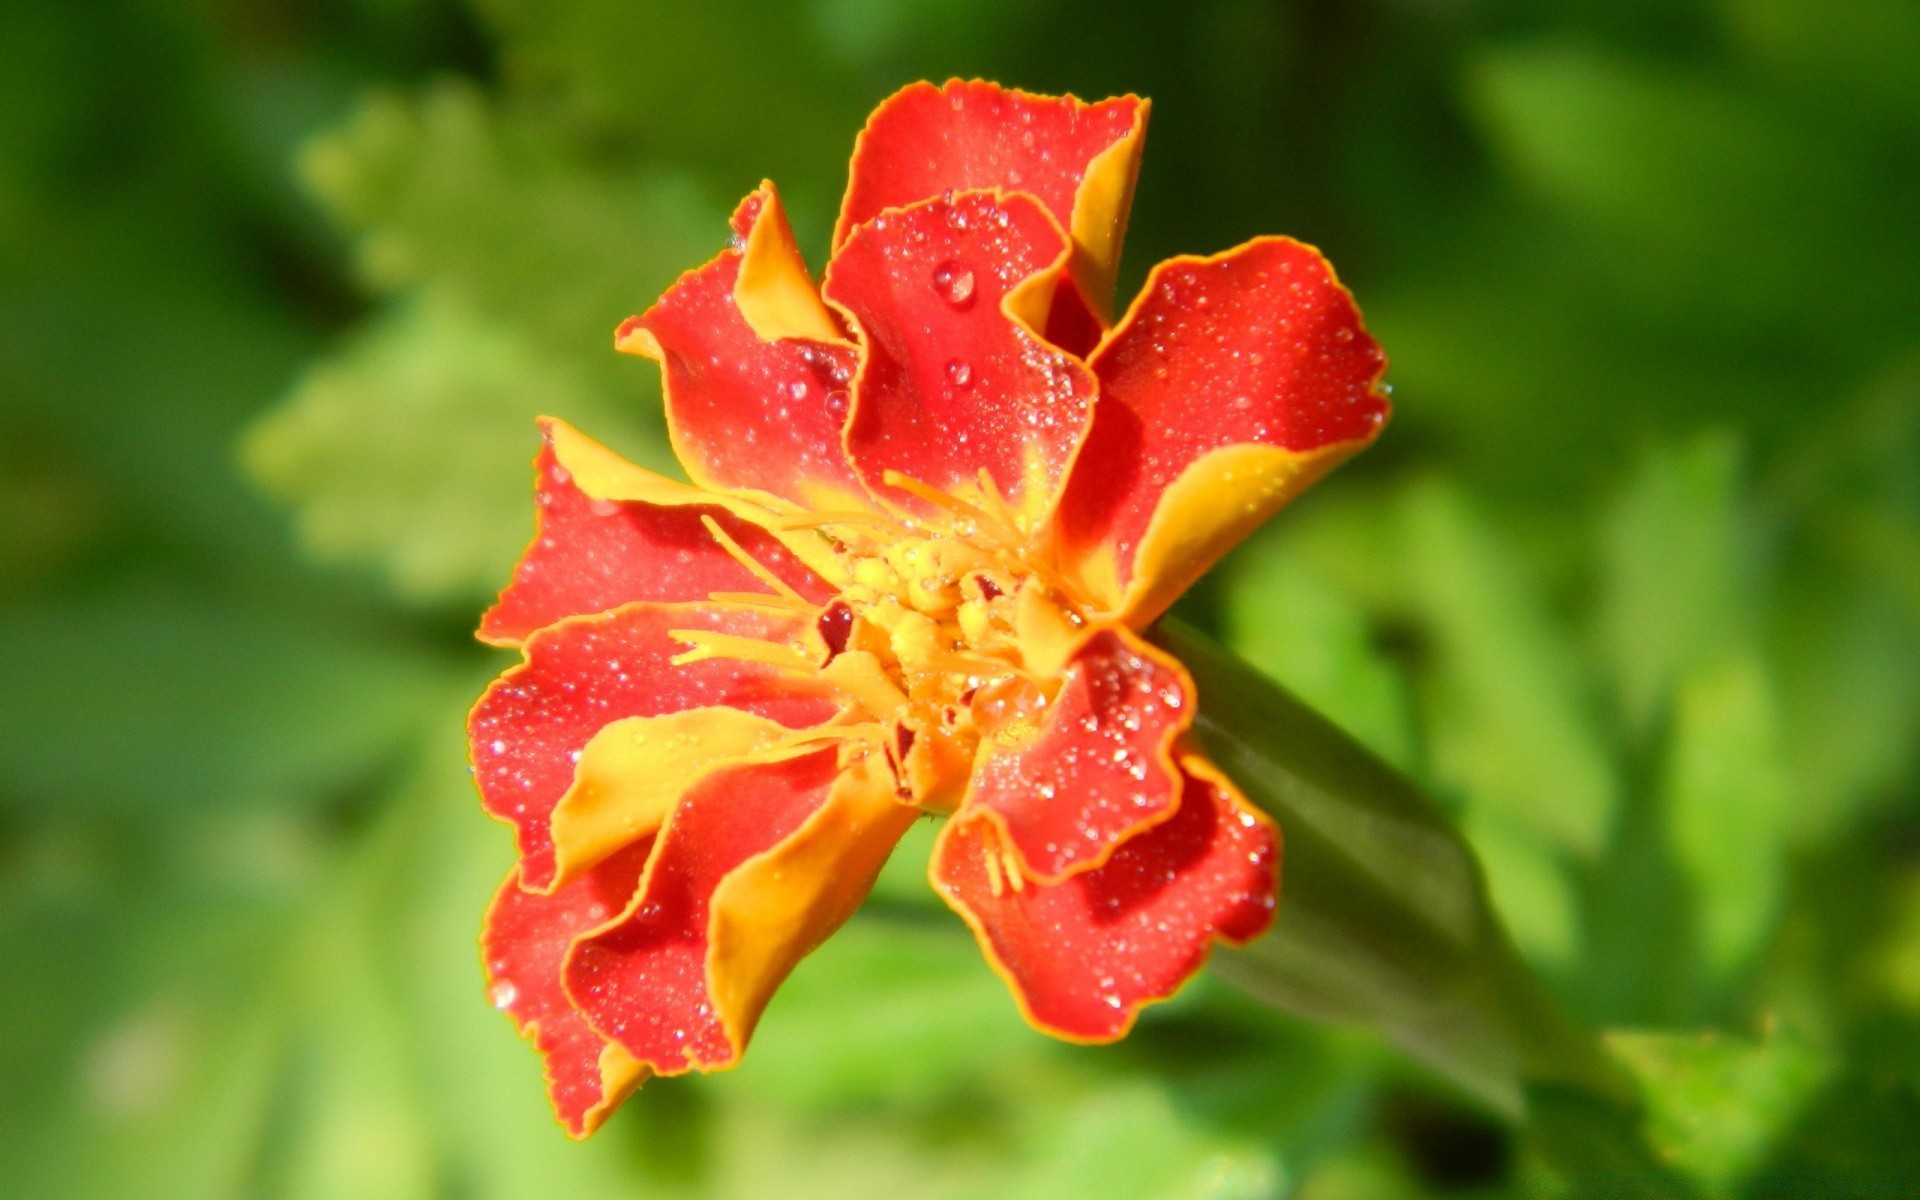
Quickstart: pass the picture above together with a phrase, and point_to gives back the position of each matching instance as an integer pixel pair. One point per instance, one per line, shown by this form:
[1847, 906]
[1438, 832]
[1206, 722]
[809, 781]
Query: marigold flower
[934, 503]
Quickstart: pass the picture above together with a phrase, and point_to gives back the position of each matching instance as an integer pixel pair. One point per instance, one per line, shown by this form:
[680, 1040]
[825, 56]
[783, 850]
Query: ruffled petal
[946, 295]
[1232, 383]
[590, 554]
[750, 413]
[1078, 159]
[533, 724]
[523, 945]
[1101, 767]
[1083, 955]
[757, 865]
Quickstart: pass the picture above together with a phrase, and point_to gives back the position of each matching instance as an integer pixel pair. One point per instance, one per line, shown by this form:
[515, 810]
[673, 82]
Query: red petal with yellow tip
[747, 413]
[951, 383]
[924, 141]
[523, 945]
[758, 863]
[590, 555]
[531, 725]
[1077, 159]
[1102, 767]
[1084, 955]
[1256, 347]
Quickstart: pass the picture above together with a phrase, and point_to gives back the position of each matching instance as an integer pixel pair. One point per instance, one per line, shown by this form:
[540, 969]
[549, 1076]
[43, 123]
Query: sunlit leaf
[1728, 804]
[1716, 1104]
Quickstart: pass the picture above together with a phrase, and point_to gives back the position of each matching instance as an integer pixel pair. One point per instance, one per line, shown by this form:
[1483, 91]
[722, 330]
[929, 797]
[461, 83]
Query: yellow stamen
[1011, 865]
[708, 644]
[758, 600]
[994, 882]
[733, 549]
[935, 497]
[820, 519]
[996, 506]
[796, 743]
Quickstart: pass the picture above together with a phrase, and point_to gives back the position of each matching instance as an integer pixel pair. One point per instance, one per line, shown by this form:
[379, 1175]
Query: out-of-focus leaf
[412, 448]
[1508, 714]
[1129, 1141]
[721, 85]
[358, 1122]
[524, 225]
[888, 1012]
[1717, 1104]
[1682, 164]
[152, 696]
[1678, 580]
[1728, 804]
[1528, 884]
[1863, 48]
[1289, 620]
[1849, 701]
[144, 1031]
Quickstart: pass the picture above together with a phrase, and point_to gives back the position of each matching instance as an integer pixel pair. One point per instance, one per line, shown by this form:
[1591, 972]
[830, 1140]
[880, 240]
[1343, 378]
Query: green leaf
[889, 1012]
[412, 448]
[152, 696]
[1716, 1104]
[1130, 1141]
[1288, 619]
[1678, 581]
[498, 206]
[1384, 919]
[1530, 888]
[1728, 804]
[1507, 715]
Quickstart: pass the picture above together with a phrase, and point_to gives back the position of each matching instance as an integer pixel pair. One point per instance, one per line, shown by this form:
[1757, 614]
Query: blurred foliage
[1632, 583]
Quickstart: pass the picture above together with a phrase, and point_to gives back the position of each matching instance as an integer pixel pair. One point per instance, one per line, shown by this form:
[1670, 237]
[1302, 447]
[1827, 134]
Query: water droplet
[954, 282]
[959, 374]
[797, 389]
[503, 994]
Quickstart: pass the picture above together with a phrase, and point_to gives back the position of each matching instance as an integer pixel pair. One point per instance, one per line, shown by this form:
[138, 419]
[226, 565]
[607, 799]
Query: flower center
[947, 631]
[940, 637]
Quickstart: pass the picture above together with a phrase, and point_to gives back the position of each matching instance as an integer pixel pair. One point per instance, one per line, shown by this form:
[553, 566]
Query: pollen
[946, 631]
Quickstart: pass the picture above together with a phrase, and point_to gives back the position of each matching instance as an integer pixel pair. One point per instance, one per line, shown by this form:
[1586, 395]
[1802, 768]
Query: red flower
[933, 503]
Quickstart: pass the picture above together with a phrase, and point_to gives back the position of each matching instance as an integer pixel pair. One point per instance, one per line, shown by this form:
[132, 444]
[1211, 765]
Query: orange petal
[1102, 767]
[1231, 384]
[747, 413]
[945, 295]
[1078, 160]
[757, 865]
[531, 726]
[523, 944]
[635, 770]
[590, 554]
[1084, 955]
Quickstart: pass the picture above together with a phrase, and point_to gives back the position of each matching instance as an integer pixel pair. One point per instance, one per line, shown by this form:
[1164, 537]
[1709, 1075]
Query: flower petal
[635, 770]
[1231, 384]
[1101, 768]
[946, 295]
[523, 944]
[1083, 955]
[747, 413]
[535, 721]
[590, 554]
[757, 865]
[1078, 159]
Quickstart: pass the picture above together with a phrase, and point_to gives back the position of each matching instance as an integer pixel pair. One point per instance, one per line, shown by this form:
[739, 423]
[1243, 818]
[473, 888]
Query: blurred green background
[1632, 583]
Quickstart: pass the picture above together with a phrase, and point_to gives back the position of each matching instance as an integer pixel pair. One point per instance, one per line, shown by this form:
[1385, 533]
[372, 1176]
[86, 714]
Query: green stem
[1384, 917]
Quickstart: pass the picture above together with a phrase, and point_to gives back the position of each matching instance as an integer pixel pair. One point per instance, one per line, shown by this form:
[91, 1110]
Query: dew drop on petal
[959, 374]
[954, 282]
[503, 994]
